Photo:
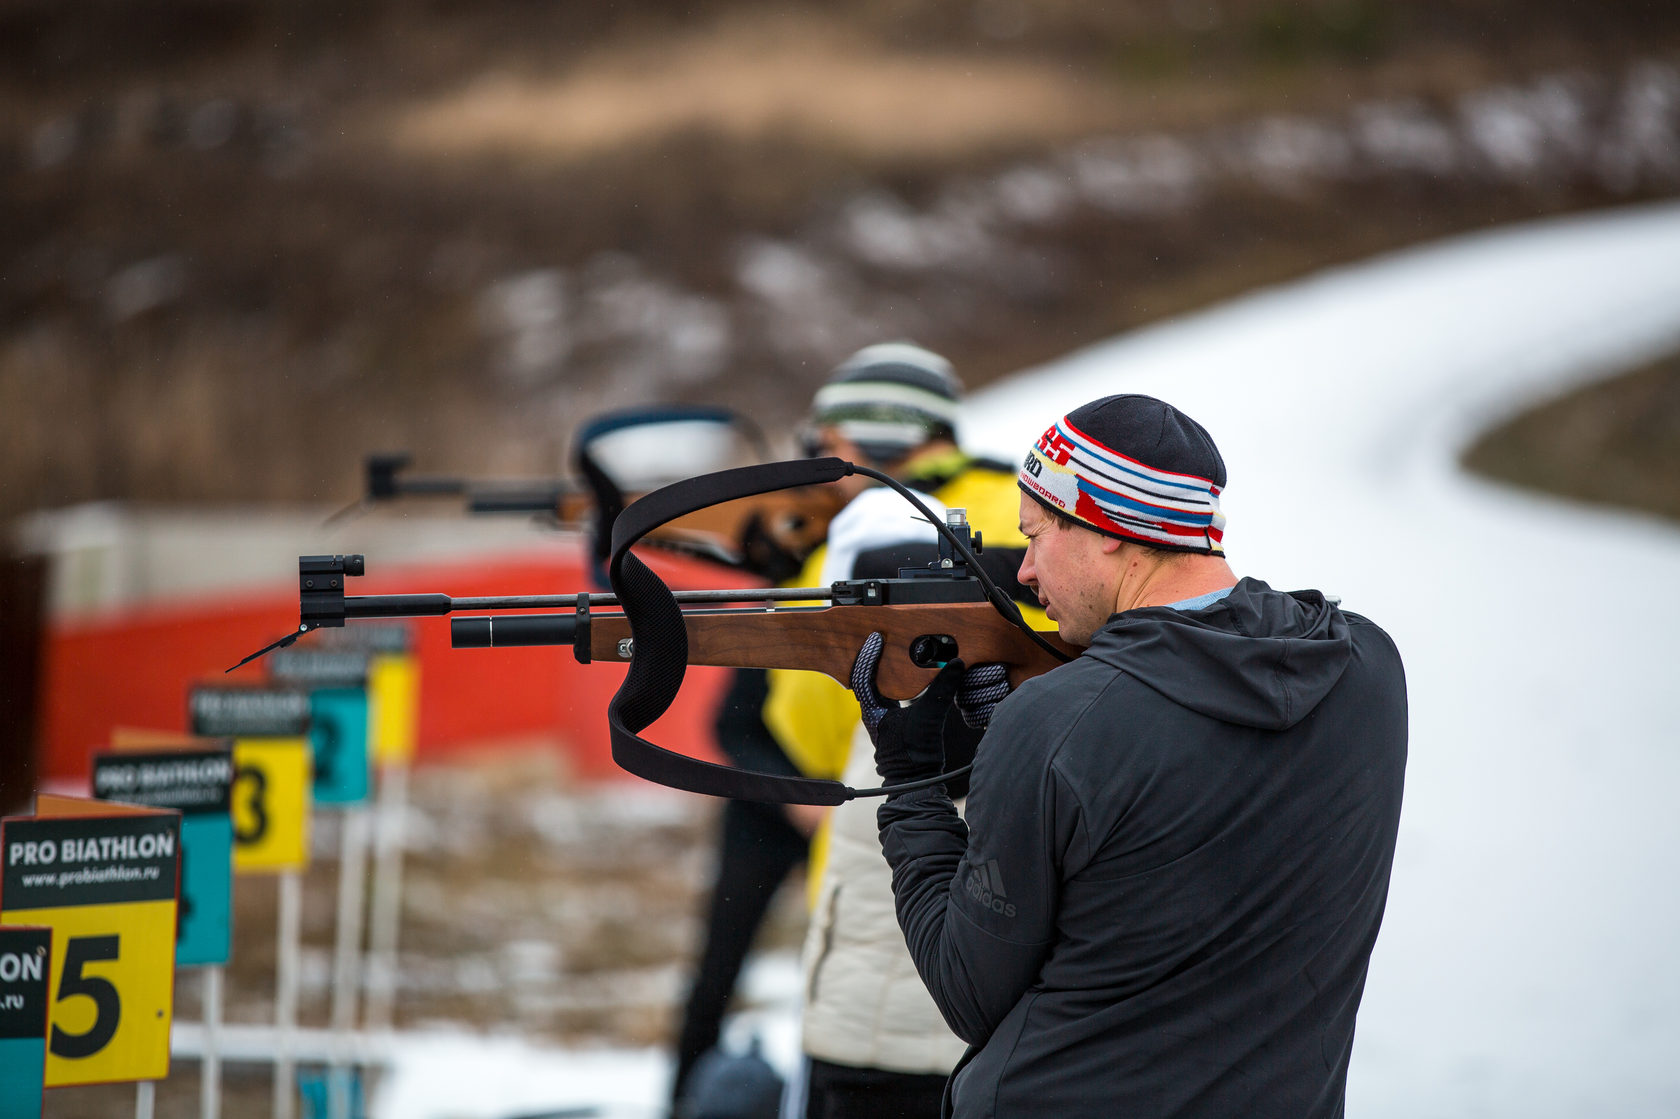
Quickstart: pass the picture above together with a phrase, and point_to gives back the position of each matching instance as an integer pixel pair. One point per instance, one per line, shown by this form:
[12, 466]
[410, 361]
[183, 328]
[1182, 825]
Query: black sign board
[105, 860]
[191, 781]
[372, 637]
[25, 962]
[248, 712]
[320, 668]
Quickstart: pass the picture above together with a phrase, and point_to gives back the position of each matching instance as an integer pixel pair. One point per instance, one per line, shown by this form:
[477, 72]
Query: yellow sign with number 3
[270, 804]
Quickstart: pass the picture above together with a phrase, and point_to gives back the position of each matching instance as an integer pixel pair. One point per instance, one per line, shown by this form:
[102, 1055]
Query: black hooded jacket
[1174, 867]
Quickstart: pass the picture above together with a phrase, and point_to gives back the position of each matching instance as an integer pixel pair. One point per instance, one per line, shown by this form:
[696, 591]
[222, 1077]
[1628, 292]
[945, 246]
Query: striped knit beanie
[890, 399]
[1135, 468]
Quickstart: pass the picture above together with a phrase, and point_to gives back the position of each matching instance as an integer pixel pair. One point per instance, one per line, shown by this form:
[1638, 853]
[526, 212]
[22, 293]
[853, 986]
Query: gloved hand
[983, 687]
[909, 740]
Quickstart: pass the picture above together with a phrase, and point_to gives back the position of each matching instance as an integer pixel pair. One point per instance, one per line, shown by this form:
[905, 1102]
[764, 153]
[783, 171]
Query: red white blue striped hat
[1132, 467]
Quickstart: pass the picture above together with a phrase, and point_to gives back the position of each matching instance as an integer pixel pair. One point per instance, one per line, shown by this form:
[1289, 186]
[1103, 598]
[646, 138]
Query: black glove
[909, 740]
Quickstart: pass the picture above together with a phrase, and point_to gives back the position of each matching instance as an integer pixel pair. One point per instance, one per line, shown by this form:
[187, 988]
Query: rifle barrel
[433, 605]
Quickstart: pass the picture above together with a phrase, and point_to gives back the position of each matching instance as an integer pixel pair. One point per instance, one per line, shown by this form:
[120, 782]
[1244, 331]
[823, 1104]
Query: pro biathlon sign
[103, 877]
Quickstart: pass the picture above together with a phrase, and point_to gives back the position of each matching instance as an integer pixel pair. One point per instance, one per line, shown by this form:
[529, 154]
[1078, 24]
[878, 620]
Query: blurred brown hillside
[247, 241]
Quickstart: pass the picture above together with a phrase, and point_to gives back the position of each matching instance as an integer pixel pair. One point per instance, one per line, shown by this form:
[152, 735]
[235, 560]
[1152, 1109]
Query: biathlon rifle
[760, 533]
[926, 616]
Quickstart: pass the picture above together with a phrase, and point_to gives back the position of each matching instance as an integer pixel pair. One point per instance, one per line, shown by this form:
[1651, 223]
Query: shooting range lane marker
[271, 810]
[197, 780]
[104, 877]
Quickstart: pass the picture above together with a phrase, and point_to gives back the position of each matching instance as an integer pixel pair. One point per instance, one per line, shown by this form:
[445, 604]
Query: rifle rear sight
[321, 588]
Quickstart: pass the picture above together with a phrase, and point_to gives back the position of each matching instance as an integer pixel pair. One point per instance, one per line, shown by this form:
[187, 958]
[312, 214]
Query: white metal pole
[285, 993]
[145, 1093]
[210, 1070]
[386, 918]
[347, 958]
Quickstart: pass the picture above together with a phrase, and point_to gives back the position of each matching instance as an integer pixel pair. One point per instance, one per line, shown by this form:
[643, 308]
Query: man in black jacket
[1178, 846]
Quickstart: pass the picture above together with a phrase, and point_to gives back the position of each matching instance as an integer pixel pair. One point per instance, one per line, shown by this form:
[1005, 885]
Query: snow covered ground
[1530, 962]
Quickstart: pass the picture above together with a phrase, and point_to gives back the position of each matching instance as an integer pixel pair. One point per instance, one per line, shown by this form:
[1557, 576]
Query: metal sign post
[394, 699]
[285, 993]
[210, 1077]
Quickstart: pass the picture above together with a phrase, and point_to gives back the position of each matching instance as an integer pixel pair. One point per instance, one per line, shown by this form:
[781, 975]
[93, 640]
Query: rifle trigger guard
[933, 650]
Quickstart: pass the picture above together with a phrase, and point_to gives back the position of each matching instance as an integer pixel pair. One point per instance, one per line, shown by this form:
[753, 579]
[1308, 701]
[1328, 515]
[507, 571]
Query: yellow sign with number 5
[270, 805]
[111, 991]
[103, 877]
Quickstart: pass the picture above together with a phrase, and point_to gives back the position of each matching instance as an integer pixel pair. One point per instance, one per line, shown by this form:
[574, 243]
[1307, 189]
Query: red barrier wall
[134, 668]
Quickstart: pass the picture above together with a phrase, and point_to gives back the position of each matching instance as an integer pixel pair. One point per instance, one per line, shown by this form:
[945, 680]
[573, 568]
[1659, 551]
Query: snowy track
[1530, 961]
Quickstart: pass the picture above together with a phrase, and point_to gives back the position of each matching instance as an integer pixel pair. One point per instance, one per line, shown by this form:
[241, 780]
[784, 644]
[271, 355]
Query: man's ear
[1110, 544]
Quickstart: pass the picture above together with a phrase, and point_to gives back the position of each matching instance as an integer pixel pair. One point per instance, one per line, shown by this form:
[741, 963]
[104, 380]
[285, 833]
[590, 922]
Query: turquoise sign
[338, 735]
[198, 784]
[338, 717]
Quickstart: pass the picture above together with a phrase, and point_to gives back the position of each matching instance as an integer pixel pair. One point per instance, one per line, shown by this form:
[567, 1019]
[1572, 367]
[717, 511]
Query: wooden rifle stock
[918, 639]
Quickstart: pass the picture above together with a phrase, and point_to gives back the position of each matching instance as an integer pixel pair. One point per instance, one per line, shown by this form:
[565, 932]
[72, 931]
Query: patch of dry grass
[747, 78]
[1615, 443]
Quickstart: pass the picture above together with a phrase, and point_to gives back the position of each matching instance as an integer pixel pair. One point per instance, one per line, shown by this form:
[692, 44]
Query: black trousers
[843, 1092]
[758, 849]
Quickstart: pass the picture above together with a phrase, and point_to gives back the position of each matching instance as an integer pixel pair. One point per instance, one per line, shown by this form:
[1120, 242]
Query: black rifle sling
[659, 655]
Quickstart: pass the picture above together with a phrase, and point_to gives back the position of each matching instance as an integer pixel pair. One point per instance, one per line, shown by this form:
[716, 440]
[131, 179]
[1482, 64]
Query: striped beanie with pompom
[889, 399]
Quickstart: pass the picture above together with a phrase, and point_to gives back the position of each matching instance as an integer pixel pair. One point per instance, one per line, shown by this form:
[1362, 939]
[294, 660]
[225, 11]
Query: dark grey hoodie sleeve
[977, 902]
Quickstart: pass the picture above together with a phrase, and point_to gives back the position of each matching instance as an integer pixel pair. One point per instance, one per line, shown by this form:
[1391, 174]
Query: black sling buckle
[659, 656]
